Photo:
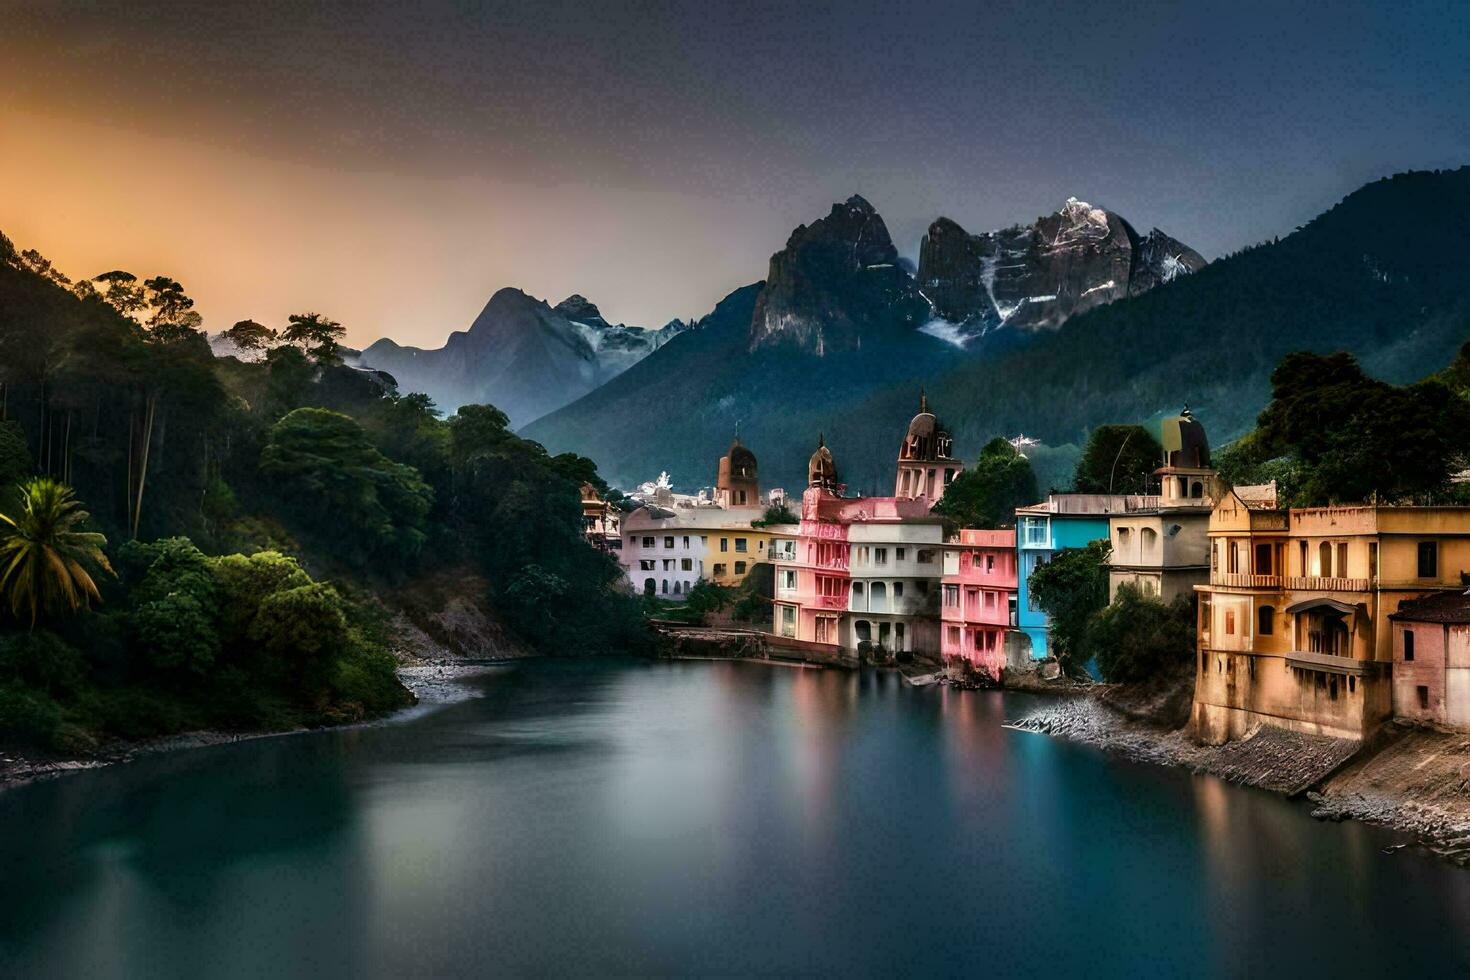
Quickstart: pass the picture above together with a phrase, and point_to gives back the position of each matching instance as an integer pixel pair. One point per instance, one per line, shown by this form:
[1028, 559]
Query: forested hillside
[173, 519]
[1381, 275]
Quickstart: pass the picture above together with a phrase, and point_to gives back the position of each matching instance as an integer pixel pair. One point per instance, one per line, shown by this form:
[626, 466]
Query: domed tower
[1186, 478]
[821, 470]
[926, 463]
[736, 484]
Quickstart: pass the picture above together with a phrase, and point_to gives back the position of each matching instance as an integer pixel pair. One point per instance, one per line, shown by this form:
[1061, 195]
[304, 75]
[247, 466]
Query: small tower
[1186, 478]
[736, 484]
[821, 470]
[926, 463]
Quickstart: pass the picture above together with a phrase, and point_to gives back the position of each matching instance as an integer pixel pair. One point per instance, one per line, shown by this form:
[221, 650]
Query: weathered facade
[1294, 625]
[1431, 660]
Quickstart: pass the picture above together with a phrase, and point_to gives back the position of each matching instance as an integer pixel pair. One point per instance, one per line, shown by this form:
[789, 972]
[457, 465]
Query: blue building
[1063, 520]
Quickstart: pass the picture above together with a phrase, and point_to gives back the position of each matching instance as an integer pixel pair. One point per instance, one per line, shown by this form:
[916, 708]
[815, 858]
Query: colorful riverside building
[1431, 660]
[1160, 543]
[669, 545]
[1063, 520]
[978, 598]
[863, 573]
[1295, 626]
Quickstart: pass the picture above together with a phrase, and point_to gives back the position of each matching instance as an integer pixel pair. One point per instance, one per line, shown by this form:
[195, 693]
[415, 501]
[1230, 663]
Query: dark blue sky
[653, 155]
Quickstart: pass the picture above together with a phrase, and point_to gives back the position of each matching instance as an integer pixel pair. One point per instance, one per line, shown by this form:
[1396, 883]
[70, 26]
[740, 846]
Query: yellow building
[1294, 626]
[734, 548]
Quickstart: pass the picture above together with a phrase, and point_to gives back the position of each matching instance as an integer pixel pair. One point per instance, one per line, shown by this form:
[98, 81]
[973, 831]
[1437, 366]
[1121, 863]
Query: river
[615, 817]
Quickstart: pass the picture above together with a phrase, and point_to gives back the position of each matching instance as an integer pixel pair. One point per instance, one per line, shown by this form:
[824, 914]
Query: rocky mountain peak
[580, 308]
[836, 280]
[1034, 277]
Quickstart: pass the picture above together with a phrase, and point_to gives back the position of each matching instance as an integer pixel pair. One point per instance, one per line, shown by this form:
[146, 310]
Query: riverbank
[1411, 780]
[431, 682]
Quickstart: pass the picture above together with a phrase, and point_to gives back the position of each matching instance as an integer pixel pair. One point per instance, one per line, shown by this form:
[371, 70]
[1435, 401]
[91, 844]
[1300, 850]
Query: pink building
[863, 572]
[978, 601]
[1431, 659]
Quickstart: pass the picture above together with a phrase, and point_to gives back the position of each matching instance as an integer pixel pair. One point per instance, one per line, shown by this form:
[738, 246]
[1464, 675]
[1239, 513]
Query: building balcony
[828, 601]
[775, 555]
[1244, 580]
[1319, 583]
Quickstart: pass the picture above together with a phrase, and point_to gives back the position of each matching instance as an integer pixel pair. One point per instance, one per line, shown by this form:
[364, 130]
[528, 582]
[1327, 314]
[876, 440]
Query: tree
[15, 458]
[247, 335]
[175, 604]
[122, 292]
[36, 262]
[318, 336]
[1355, 438]
[174, 317]
[1118, 459]
[1138, 637]
[777, 513]
[327, 470]
[987, 495]
[47, 558]
[1070, 589]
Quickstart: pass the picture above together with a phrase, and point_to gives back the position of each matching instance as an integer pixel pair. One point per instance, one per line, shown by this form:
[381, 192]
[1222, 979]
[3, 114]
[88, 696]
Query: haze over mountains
[839, 283]
[521, 355]
[1047, 329]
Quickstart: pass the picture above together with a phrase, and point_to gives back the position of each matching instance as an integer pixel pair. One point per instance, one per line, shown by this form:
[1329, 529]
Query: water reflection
[697, 817]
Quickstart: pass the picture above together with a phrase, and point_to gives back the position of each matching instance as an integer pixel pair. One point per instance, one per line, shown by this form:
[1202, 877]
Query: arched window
[1265, 620]
[676, 588]
[649, 586]
[666, 586]
[1148, 538]
[878, 595]
[1196, 489]
[858, 602]
[864, 631]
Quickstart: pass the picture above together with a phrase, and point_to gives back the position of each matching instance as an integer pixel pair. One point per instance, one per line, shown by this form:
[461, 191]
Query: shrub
[1138, 637]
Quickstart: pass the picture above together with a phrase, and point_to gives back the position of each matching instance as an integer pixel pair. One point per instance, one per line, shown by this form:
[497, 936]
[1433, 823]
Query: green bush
[1138, 637]
[29, 716]
[42, 661]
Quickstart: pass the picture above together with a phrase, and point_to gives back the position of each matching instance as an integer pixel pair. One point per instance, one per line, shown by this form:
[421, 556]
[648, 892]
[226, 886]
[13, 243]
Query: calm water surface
[644, 818]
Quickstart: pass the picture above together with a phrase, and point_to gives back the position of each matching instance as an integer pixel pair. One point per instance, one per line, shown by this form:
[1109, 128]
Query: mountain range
[835, 339]
[523, 356]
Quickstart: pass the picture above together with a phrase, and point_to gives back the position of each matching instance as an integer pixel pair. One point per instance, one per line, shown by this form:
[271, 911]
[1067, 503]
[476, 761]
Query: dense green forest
[1381, 275]
[202, 542]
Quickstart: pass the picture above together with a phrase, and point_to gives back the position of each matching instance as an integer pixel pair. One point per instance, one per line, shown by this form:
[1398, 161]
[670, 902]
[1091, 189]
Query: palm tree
[46, 558]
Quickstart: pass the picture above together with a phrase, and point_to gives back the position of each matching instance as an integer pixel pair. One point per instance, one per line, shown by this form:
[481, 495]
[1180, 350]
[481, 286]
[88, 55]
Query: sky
[393, 164]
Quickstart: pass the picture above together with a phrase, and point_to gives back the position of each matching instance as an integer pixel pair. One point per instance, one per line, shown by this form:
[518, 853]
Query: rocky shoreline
[1382, 784]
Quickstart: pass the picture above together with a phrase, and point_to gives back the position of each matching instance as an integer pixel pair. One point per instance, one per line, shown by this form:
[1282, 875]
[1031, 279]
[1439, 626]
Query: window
[1229, 622]
[666, 586]
[954, 635]
[669, 541]
[1263, 559]
[880, 556]
[1233, 565]
[1342, 558]
[1123, 535]
[951, 596]
[1215, 557]
[724, 544]
[668, 564]
[648, 542]
[1429, 559]
[989, 563]
[1303, 548]
[898, 590]
[719, 569]
[740, 568]
[1408, 644]
[686, 540]
[1373, 560]
[1148, 539]
[741, 546]
[1324, 559]
[687, 564]
[649, 586]
[989, 600]
[788, 579]
[899, 553]
[1423, 696]
[925, 556]
[1265, 620]
[645, 564]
